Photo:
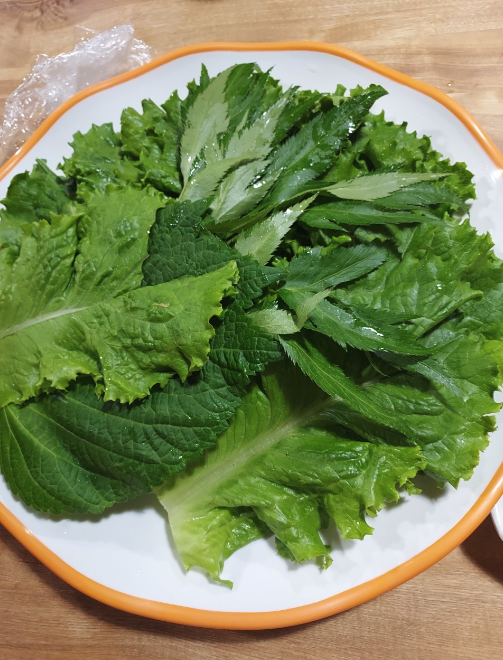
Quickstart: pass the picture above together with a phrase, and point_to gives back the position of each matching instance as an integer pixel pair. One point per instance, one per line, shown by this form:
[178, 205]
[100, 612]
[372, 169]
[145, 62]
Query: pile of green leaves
[268, 306]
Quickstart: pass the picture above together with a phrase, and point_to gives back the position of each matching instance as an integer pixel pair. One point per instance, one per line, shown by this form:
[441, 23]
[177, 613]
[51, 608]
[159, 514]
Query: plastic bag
[54, 79]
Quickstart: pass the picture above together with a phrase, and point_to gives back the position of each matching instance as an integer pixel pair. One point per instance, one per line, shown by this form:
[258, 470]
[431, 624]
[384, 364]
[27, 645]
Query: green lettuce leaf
[280, 464]
[97, 160]
[31, 196]
[152, 139]
[89, 314]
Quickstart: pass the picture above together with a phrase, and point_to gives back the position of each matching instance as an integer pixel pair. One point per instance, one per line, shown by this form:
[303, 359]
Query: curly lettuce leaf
[152, 140]
[97, 160]
[384, 145]
[72, 303]
[31, 196]
[280, 464]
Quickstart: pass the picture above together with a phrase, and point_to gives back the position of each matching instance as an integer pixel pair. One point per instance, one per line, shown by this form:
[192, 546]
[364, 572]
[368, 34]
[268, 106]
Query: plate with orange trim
[126, 557]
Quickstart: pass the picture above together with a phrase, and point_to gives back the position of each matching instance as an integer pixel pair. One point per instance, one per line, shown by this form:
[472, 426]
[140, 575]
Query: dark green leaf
[328, 216]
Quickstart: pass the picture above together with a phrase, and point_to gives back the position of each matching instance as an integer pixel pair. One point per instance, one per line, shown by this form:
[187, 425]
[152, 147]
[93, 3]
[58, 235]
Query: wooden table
[452, 611]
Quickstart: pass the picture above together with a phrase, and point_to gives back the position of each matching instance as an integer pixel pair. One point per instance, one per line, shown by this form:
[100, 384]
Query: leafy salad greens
[267, 306]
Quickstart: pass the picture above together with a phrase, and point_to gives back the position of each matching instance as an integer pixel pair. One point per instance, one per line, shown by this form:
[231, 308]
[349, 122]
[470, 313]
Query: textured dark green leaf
[73, 453]
[179, 244]
[81, 455]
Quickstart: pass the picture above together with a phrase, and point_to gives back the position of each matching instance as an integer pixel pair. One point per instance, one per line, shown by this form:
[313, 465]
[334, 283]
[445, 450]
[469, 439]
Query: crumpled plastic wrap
[54, 79]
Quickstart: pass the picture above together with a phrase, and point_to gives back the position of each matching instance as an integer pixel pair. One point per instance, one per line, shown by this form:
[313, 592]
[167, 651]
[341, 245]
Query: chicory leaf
[314, 271]
[261, 241]
[377, 186]
[329, 216]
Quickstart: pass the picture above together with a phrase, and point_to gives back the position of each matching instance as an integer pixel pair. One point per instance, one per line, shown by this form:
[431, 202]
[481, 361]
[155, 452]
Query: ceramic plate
[497, 515]
[126, 557]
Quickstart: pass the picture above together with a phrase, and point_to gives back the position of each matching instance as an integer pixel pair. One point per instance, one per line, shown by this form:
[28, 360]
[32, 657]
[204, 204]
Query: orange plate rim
[347, 599]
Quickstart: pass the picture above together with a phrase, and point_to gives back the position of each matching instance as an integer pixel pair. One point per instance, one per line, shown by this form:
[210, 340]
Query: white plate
[129, 549]
[497, 516]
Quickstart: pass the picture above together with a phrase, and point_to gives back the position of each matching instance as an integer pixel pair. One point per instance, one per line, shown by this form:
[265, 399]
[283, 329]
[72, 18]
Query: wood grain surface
[452, 611]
